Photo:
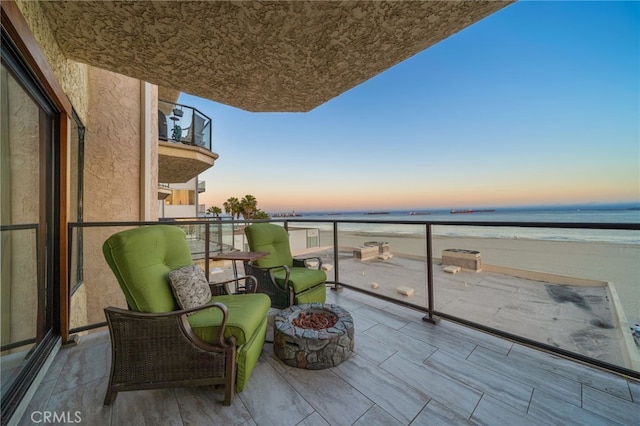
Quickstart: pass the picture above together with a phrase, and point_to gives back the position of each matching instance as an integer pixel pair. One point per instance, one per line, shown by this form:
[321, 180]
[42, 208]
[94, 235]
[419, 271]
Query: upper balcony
[184, 146]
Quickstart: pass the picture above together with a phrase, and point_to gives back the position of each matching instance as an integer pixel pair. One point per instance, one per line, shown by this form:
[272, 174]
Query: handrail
[182, 105]
[19, 227]
[81, 225]
[432, 314]
[430, 291]
[561, 225]
[174, 132]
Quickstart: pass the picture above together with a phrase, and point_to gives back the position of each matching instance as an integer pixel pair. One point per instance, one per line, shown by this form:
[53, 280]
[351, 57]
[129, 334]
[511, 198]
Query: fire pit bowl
[313, 336]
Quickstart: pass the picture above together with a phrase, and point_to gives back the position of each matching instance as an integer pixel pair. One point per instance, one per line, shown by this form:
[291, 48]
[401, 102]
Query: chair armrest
[304, 262]
[176, 318]
[220, 288]
[268, 272]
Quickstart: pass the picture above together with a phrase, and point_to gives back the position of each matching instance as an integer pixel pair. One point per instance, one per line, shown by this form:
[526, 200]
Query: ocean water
[621, 215]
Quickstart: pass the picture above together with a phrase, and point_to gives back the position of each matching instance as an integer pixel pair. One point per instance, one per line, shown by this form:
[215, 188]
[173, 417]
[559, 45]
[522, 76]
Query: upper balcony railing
[183, 124]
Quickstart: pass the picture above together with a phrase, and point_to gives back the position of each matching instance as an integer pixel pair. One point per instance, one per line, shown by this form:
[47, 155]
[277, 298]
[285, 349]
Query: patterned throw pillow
[190, 286]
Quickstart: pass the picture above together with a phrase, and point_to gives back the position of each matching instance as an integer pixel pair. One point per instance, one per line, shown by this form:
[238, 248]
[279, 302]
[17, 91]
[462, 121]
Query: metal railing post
[220, 239]
[336, 269]
[70, 248]
[207, 255]
[430, 305]
[233, 234]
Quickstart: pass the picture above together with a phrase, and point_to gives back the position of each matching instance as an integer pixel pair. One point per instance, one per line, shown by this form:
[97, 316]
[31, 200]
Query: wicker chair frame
[281, 297]
[152, 351]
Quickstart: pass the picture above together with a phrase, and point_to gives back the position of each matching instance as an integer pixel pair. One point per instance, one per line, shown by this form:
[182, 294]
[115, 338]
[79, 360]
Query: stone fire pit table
[309, 348]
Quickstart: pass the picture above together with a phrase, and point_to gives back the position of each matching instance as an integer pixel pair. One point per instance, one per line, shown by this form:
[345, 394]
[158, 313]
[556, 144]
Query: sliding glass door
[29, 306]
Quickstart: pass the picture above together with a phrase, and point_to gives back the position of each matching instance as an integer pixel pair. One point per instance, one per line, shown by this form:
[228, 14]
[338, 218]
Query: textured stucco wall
[73, 79]
[72, 75]
[152, 206]
[109, 106]
[112, 148]
[257, 55]
[168, 94]
[78, 310]
[112, 177]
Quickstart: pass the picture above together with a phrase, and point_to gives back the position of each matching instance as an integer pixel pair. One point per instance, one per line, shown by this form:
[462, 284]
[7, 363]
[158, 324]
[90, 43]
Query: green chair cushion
[248, 354]
[141, 259]
[246, 313]
[270, 238]
[316, 294]
[300, 279]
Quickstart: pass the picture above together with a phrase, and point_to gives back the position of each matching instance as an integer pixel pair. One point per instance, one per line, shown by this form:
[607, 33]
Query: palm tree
[248, 205]
[232, 207]
[259, 214]
[214, 210]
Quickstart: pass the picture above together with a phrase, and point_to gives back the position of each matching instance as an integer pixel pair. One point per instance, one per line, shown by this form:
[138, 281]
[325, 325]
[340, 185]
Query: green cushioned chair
[155, 344]
[286, 280]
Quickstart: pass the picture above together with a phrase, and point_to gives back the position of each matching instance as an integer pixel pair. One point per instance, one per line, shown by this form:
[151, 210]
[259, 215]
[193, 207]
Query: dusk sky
[536, 104]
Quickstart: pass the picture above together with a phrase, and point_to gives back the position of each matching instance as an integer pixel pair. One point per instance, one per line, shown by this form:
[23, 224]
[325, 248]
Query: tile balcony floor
[404, 372]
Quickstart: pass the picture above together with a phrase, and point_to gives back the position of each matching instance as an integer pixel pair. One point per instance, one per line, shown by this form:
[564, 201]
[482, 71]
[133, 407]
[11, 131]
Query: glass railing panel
[183, 124]
[99, 287]
[19, 298]
[313, 239]
[574, 292]
[76, 258]
[573, 289]
[222, 238]
[226, 233]
[385, 259]
[206, 135]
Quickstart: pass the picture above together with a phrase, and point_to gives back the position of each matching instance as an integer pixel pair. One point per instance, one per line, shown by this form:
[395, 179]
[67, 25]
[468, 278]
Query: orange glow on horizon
[436, 199]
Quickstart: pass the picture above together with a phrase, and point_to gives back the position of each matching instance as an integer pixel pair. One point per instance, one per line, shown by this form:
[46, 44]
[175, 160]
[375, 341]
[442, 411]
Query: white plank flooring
[404, 372]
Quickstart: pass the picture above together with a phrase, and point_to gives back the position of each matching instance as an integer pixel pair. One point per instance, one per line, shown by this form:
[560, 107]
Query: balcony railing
[183, 124]
[545, 293]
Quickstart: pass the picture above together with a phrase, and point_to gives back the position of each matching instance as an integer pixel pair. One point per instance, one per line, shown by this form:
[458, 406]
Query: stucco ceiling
[258, 56]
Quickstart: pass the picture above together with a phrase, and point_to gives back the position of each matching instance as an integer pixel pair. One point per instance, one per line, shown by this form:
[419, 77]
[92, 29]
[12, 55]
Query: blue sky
[538, 103]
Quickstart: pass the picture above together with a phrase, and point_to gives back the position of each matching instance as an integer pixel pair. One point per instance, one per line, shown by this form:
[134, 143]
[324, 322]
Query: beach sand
[567, 301]
[608, 262]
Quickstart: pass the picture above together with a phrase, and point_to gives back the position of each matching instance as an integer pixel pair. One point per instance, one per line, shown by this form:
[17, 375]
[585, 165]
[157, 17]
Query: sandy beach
[578, 296]
[615, 263]
[567, 301]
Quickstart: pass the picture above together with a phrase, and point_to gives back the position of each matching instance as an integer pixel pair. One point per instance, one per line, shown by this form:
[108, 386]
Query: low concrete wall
[630, 349]
[466, 259]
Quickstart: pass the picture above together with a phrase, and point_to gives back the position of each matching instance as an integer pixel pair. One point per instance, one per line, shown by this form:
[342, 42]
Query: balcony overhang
[163, 192]
[179, 163]
[256, 55]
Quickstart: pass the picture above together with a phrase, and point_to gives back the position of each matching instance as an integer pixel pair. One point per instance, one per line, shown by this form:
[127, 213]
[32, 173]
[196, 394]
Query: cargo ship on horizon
[471, 211]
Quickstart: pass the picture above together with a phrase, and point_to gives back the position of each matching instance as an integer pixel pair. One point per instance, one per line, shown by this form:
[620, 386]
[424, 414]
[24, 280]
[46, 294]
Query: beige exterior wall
[109, 106]
[112, 148]
[152, 202]
[73, 76]
[112, 188]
